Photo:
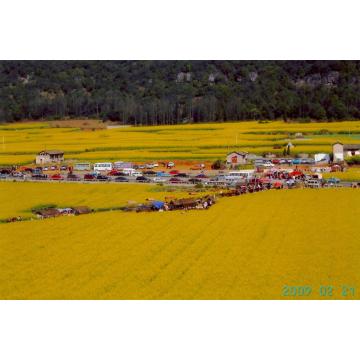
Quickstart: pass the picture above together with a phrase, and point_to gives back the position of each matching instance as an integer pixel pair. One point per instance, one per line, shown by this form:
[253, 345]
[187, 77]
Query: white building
[341, 151]
[236, 158]
[49, 156]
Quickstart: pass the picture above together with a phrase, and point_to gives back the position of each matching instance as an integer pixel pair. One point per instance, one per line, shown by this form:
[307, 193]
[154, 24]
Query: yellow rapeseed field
[20, 142]
[17, 199]
[247, 247]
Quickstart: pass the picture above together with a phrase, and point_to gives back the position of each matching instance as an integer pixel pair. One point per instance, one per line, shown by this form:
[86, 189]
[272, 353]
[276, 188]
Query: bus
[239, 175]
[82, 167]
[106, 166]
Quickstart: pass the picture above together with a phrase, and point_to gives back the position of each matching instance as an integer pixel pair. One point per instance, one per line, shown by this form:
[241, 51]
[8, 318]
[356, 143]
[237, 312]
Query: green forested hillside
[169, 92]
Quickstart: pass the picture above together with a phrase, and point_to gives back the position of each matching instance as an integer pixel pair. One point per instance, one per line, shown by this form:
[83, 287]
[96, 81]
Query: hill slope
[167, 92]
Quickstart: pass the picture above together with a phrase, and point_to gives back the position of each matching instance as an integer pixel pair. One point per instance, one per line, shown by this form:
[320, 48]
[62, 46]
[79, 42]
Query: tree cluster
[172, 92]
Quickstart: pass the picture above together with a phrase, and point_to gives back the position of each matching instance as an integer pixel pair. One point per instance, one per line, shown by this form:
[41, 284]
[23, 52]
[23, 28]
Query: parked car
[102, 178]
[115, 173]
[175, 180]
[17, 174]
[3, 176]
[194, 181]
[136, 173]
[159, 179]
[63, 167]
[197, 167]
[296, 161]
[56, 177]
[201, 176]
[149, 172]
[183, 175]
[275, 161]
[162, 174]
[37, 171]
[170, 164]
[333, 181]
[307, 161]
[45, 168]
[142, 179]
[173, 172]
[39, 176]
[121, 179]
[313, 183]
[53, 167]
[89, 177]
[72, 177]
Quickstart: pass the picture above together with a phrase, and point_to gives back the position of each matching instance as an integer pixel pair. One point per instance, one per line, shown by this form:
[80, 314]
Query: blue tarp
[158, 204]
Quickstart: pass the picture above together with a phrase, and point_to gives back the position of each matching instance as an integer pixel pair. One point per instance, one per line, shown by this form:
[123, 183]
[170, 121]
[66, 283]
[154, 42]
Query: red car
[56, 177]
[275, 161]
[115, 173]
[176, 180]
[89, 177]
[173, 172]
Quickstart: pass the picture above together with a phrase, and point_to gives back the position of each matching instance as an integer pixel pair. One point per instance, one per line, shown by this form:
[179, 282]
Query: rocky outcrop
[330, 79]
[183, 76]
[253, 76]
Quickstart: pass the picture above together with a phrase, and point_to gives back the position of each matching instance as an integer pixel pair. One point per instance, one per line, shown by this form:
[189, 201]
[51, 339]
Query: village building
[237, 158]
[49, 156]
[342, 151]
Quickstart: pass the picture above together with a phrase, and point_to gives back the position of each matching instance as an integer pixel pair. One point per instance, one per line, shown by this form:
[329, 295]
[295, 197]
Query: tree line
[172, 92]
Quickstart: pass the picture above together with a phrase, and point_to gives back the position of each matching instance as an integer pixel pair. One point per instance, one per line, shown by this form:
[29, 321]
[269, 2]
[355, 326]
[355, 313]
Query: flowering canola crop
[247, 247]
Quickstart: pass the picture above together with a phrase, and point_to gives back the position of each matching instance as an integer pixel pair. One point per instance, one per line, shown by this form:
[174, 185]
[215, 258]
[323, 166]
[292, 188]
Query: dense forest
[170, 92]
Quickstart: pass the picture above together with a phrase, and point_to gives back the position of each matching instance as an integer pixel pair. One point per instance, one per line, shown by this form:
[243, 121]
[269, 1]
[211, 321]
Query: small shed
[236, 158]
[49, 156]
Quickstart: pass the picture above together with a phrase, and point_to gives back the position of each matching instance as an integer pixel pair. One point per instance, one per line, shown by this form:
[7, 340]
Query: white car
[268, 164]
[159, 179]
[136, 173]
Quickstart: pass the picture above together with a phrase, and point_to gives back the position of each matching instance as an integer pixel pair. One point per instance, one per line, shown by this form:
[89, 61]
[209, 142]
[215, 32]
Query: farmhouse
[49, 156]
[342, 151]
[236, 158]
